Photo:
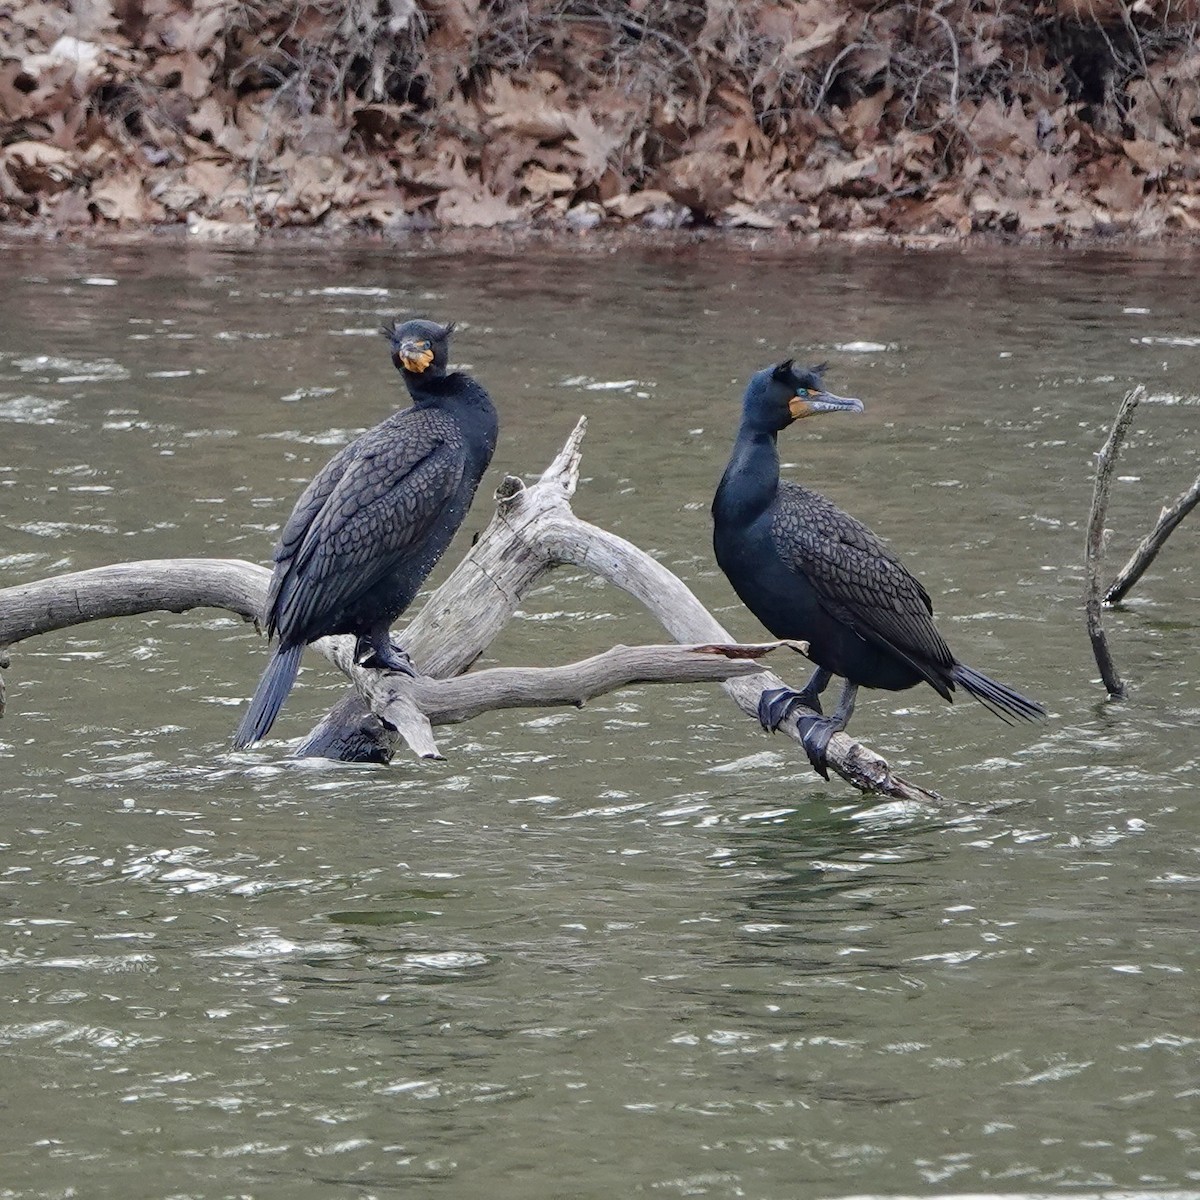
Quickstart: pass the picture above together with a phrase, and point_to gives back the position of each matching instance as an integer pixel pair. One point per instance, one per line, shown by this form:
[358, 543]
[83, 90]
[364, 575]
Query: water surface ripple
[639, 949]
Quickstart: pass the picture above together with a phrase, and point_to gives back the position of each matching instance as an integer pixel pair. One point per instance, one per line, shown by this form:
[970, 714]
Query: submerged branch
[1094, 549]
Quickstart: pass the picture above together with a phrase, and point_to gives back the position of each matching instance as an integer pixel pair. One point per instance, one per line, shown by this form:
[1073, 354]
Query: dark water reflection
[639, 949]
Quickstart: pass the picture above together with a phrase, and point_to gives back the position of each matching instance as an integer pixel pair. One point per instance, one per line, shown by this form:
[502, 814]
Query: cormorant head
[777, 396]
[419, 347]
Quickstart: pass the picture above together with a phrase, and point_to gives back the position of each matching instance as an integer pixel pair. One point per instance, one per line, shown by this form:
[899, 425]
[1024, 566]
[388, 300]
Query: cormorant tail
[269, 696]
[996, 697]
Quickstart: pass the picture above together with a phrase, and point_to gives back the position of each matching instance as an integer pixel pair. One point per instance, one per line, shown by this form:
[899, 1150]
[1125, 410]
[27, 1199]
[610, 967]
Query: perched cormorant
[370, 527]
[811, 572]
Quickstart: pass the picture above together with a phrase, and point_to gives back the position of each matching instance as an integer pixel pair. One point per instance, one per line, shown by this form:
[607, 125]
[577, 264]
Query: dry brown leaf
[540, 183]
[839, 174]
[37, 167]
[524, 111]
[464, 211]
[1151, 157]
[121, 198]
[631, 205]
[743, 216]
[185, 70]
[209, 176]
[1122, 191]
[701, 181]
[820, 37]
[593, 143]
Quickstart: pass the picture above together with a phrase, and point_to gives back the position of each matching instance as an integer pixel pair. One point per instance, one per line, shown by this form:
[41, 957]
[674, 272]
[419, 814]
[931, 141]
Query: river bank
[822, 120]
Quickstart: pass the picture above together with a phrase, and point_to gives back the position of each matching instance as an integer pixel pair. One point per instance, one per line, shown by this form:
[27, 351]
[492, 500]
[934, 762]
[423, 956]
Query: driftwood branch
[1094, 550]
[532, 531]
[1152, 543]
[126, 589]
[410, 707]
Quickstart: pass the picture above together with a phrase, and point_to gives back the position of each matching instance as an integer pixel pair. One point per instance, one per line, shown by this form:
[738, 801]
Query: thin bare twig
[1095, 541]
[1152, 543]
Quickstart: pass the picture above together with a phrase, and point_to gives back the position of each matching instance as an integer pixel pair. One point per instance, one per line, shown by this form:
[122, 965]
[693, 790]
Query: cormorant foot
[383, 656]
[815, 733]
[774, 706]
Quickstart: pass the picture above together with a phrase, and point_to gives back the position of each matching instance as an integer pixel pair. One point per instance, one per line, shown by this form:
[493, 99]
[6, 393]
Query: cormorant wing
[388, 497]
[858, 580]
[311, 501]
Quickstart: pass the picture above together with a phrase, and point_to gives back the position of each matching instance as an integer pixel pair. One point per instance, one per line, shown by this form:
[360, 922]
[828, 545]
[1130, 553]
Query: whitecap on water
[307, 393]
[1184, 340]
[72, 370]
[590, 384]
[29, 410]
[349, 290]
[445, 960]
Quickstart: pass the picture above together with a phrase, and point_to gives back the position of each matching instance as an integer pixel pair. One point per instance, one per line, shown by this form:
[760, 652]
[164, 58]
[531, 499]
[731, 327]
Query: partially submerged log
[532, 531]
[1094, 546]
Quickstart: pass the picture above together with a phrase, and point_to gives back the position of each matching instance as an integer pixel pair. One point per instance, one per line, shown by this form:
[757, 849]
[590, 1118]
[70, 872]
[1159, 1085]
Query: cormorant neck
[428, 387]
[752, 477]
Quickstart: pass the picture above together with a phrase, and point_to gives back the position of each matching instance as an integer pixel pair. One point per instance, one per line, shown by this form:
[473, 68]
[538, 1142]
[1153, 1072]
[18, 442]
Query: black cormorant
[370, 527]
[811, 572]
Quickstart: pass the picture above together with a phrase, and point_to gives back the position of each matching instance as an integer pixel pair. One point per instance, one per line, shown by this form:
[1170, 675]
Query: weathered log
[126, 589]
[1094, 548]
[532, 531]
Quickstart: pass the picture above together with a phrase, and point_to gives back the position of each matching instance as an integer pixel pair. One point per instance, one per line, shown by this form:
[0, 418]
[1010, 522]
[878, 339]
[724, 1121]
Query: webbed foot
[815, 734]
[775, 705]
[383, 654]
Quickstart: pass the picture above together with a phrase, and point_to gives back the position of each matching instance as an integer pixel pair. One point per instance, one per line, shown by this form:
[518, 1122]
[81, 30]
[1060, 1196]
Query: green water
[638, 950]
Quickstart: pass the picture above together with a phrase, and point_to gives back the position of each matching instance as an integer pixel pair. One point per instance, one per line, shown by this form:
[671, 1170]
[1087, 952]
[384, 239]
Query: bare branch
[1094, 551]
[1152, 543]
[126, 589]
[412, 706]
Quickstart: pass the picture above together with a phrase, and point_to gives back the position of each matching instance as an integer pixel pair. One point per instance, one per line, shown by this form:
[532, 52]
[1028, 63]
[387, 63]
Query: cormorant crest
[786, 372]
[388, 328]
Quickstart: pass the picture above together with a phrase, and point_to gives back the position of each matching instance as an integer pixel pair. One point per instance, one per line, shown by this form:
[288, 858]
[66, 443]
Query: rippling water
[641, 949]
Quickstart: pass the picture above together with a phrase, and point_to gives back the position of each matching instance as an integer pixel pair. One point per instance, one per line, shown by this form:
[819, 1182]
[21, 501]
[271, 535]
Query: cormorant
[370, 527]
[811, 572]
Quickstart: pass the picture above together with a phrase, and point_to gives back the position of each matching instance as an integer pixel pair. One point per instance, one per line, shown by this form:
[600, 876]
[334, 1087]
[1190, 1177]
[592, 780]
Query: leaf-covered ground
[917, 121]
